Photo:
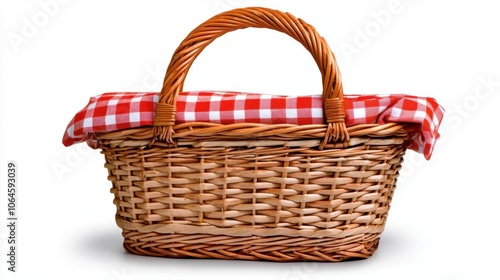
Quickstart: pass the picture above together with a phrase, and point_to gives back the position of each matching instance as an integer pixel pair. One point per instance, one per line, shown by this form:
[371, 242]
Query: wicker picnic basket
[254, 191]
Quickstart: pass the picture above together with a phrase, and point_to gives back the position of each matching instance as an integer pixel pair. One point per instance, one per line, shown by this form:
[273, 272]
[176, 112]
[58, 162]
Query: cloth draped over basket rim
[250, 191]
[123, 110]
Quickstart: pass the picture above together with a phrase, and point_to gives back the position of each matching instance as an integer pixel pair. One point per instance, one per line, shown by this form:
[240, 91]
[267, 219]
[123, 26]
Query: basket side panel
[210, 190]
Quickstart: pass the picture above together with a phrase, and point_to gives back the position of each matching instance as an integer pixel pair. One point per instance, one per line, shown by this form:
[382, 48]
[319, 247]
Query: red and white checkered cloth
[116, 111]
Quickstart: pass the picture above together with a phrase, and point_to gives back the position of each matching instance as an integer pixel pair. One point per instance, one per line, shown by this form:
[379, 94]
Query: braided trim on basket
[245, 231]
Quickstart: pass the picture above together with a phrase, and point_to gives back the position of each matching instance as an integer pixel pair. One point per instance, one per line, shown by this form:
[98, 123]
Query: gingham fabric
[115, 111]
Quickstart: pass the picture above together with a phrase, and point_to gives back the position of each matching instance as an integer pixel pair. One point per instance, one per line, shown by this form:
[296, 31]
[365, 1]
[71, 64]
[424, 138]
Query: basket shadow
[103, 243]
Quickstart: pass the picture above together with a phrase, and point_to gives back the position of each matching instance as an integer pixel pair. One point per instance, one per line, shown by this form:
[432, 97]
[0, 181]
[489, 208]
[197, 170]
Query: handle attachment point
[164, 121]
[335, 117]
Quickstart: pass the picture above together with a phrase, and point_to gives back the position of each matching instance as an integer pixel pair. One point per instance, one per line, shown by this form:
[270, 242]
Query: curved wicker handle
[220, 24]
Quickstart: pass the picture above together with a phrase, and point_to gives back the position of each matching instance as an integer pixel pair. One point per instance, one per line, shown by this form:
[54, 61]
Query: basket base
[273, 248]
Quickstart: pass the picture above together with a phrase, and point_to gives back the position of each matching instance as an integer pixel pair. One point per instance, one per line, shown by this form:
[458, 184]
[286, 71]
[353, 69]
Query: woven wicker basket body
[253, 191]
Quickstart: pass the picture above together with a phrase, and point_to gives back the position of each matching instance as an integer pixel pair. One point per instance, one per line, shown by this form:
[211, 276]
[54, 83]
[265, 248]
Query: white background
[55, 55]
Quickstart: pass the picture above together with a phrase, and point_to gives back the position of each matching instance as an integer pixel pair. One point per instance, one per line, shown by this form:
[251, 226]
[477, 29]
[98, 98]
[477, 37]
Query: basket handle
[256, 17]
